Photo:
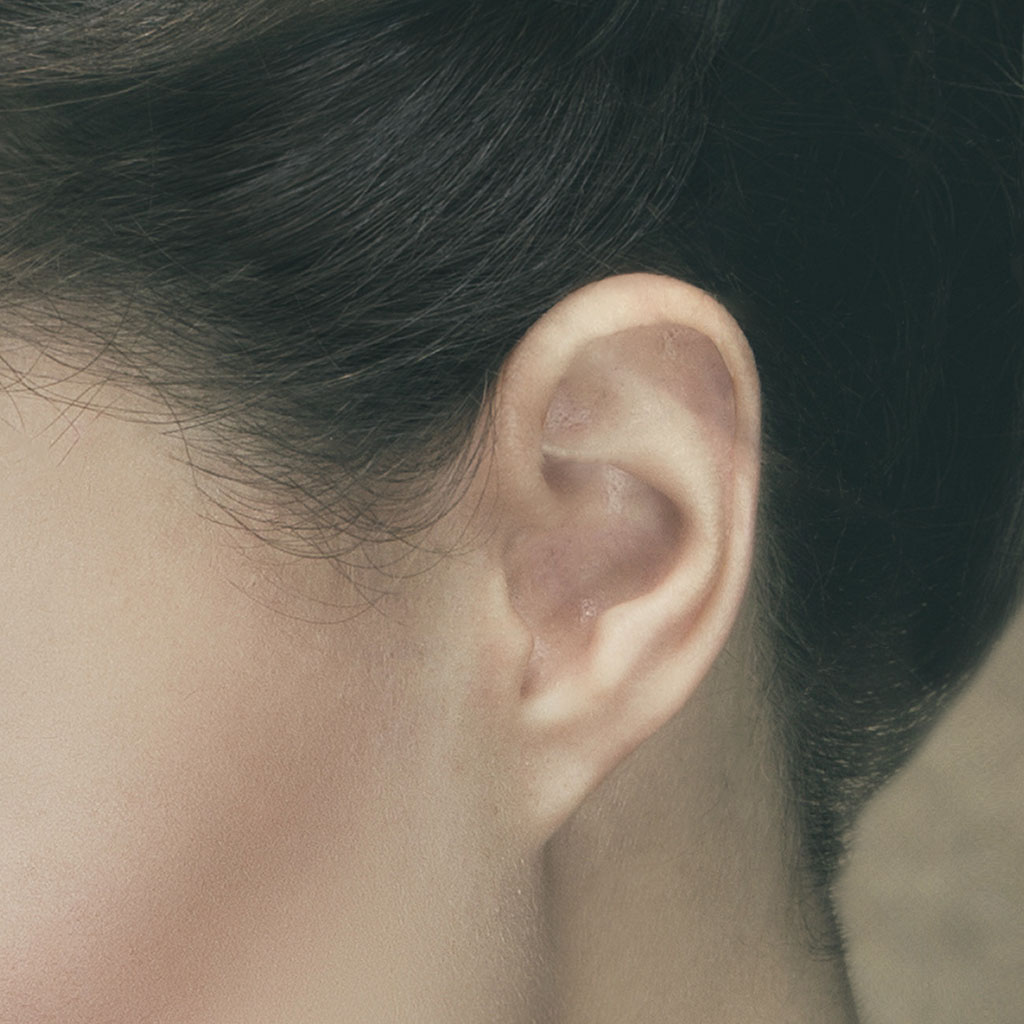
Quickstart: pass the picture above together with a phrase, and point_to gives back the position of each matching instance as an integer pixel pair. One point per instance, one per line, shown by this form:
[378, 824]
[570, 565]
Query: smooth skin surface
[240, 785]
[206, 745]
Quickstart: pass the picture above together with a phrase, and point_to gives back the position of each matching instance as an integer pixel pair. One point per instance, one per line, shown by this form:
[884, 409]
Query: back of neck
[674, 896]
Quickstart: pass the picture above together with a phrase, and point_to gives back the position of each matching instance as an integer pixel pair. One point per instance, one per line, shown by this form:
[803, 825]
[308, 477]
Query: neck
[674, 896]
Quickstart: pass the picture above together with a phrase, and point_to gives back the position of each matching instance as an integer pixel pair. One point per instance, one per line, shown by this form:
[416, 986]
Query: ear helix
[614, 517]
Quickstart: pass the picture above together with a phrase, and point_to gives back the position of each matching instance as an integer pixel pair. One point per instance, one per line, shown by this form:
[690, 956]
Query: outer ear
[626, 453]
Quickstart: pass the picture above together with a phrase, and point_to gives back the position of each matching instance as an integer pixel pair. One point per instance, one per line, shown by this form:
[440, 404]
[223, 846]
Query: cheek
[174, 762]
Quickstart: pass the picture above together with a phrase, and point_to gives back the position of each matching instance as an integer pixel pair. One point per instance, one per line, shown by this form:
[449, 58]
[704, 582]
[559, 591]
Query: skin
[248, 745]
[233, 788]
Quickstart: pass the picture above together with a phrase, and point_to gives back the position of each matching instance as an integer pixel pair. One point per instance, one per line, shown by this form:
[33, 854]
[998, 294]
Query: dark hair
[317, 228]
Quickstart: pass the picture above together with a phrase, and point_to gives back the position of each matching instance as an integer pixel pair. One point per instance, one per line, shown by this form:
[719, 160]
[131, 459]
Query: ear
[627, 427]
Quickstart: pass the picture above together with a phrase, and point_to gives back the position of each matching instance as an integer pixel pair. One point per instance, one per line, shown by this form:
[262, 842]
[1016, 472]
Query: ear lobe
[628, 472]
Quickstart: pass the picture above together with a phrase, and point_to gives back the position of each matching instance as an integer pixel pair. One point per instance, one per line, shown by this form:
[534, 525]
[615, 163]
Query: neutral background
[933, 898]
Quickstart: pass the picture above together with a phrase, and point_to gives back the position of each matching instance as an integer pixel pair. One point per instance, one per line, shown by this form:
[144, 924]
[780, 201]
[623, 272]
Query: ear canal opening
[614, 538]
[624, 473]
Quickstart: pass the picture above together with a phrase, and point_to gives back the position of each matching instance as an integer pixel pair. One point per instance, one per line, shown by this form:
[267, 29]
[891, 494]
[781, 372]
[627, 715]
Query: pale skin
[530, 781]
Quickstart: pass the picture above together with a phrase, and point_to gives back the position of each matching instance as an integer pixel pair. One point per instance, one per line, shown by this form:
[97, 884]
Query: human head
[320, 231]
